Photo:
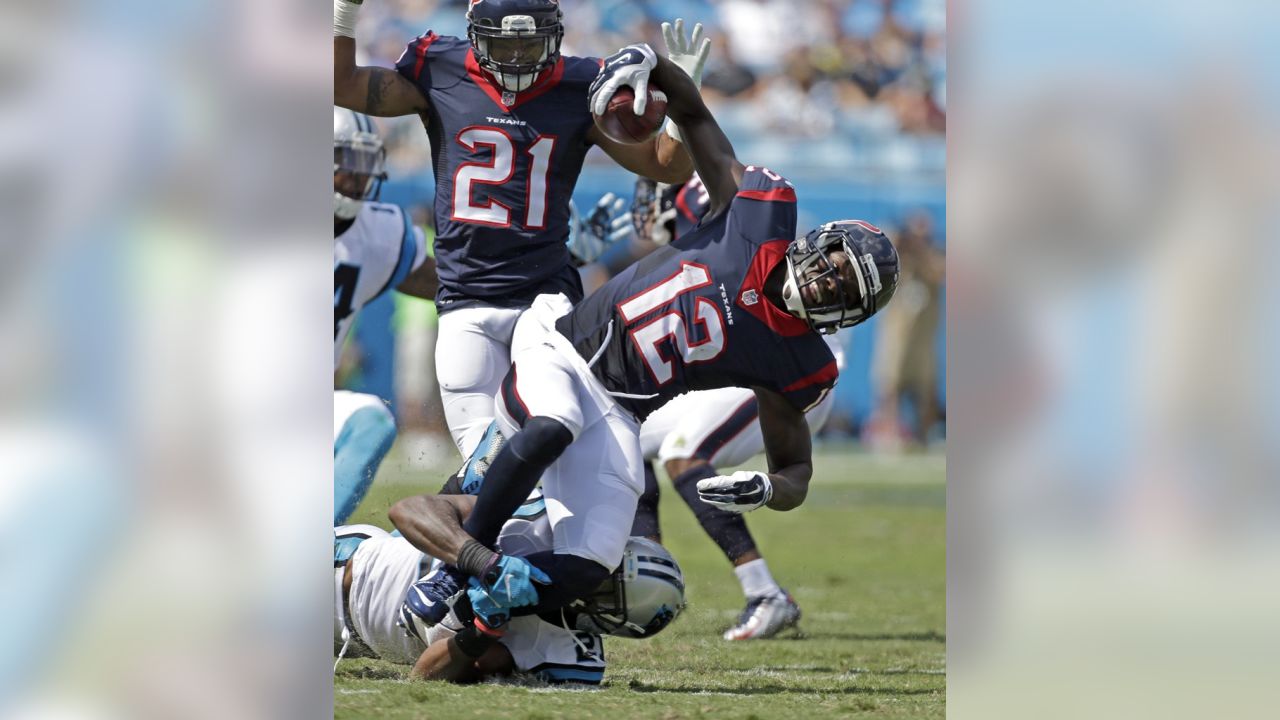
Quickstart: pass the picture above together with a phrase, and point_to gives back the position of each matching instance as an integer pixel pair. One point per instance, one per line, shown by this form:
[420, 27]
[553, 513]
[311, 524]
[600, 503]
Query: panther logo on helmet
[515, 40]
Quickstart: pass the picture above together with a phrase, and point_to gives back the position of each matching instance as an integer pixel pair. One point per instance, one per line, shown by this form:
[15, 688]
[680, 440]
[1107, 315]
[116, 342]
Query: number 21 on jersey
[499, 171]
[673, 324]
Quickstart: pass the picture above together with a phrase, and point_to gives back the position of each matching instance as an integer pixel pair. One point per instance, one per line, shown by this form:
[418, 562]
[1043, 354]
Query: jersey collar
[751, 296]
[546, 80]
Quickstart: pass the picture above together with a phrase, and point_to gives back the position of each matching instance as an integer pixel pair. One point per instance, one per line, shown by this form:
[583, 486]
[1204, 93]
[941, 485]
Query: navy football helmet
[515, 39]
[829, 294]
[641, 598]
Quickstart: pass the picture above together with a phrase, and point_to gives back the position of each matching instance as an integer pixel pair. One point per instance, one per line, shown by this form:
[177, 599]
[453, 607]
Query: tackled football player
[509, 126]
[738, 302]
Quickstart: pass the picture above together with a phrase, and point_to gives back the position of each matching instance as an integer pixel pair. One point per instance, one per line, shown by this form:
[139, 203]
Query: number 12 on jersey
[673, 324]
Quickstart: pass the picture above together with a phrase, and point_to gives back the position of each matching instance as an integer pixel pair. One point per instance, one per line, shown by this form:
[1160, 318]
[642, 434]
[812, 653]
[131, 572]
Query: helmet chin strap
[345, 208]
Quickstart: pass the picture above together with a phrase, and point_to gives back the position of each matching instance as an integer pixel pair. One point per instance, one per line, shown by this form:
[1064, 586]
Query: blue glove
[510, 581]
[429, 600]
[488, 607]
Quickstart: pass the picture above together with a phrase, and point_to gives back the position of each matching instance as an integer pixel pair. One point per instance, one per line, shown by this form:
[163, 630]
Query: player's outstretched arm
[433, 523]
[712, 153]
[661, 158]
[371, 90]
[788, 447]
[448, 661]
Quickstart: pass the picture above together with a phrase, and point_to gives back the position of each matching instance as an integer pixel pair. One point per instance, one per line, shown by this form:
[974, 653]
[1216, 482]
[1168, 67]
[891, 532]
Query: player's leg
[473, 354]
[591, 495]
[363, 430]
[539, 413]
[646, 523]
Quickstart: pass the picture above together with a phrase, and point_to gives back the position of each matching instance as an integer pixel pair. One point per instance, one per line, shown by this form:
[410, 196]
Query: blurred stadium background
[848, 101]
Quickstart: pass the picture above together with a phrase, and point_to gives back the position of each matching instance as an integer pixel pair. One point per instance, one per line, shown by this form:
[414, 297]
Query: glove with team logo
[608, 223]
[491, 610]
[741, 492]
[629, 66]
[508, 578]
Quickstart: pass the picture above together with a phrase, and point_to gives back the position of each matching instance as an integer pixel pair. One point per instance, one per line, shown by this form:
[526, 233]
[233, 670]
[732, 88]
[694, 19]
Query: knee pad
[541, 441]
[728, 530]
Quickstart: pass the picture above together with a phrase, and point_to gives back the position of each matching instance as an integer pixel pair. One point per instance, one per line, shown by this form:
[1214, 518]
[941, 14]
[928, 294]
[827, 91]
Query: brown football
[624, 126]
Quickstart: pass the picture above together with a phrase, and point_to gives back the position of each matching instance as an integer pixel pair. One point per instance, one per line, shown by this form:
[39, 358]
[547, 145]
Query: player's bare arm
[433, 523]
[422, 282]
[662, 158]
[712, 153]
[447, 661]
[788, 448]
[371, 90]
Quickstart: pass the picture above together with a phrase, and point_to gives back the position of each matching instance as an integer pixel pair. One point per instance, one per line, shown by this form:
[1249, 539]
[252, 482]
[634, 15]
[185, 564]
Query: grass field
[864, 557]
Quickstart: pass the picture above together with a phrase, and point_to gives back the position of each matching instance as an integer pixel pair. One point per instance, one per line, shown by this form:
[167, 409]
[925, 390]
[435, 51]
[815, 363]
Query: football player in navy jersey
[509, 126]
[737, 302]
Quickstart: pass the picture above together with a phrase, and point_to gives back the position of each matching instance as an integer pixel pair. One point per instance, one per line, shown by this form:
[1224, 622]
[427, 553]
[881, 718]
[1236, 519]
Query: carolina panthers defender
[509, 126]
[375, 248]
[374, 573]
[735, 303]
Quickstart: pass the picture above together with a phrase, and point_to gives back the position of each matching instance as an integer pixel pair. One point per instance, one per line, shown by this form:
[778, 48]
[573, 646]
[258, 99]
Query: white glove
[607, 224]
[686, 57]
[740, 492]
[629, 66]
[683, 53]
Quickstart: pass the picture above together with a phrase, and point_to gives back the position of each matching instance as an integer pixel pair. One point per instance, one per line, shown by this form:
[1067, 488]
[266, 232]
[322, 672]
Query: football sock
[572, 577]
[364, 440]
[646, 521]
[513, 475]
[756, 580]
[727, 529]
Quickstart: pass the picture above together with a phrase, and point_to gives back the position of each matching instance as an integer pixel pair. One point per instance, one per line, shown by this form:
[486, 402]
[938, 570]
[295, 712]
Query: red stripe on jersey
[784, 194]
[779, 321]
[682, 204]
[825, 376]
[548, 79]
[420, 49]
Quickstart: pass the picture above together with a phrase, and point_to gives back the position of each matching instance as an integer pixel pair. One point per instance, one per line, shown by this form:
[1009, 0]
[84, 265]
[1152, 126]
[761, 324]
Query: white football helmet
[358, 159]
[641, 598]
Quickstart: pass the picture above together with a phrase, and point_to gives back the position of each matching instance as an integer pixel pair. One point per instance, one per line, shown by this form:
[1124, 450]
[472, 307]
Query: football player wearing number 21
[739, 301]
[509, 126]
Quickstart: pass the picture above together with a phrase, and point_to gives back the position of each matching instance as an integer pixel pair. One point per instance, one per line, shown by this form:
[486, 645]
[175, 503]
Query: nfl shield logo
[508, 98]
[749, 297]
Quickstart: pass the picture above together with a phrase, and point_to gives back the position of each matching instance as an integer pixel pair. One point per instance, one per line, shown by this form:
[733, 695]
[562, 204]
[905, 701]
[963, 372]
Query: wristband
[475, 559]
[344, 18]
[671, 129]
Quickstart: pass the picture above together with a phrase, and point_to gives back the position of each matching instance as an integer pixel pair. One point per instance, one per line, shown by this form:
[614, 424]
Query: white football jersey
[375, 254]
[383, 567]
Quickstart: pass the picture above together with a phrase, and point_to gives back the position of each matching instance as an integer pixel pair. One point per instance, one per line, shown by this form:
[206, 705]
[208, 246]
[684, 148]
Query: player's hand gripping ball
[620, 123]
[626, 107]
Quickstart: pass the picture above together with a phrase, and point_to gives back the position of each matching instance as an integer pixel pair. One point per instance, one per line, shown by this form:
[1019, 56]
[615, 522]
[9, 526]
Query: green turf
[864, 557]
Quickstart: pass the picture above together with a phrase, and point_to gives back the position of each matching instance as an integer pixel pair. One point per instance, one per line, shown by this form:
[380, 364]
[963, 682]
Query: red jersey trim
[766, 258]
[483, 80]
[773, 195]
[420, 49]
[682, 204]
[826, 375]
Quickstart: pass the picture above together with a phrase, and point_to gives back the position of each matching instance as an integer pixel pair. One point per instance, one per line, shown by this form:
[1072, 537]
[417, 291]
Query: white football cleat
[764, 617]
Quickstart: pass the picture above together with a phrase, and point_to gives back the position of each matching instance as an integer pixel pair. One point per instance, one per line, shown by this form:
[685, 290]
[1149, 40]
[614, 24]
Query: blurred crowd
[861, 75]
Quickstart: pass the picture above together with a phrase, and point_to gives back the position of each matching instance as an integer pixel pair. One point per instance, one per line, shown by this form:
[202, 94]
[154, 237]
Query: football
[622, 125]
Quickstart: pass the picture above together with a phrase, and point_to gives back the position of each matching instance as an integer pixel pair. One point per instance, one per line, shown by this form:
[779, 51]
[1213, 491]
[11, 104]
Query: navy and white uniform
[505, 168]
[383, 566]
[690, 316]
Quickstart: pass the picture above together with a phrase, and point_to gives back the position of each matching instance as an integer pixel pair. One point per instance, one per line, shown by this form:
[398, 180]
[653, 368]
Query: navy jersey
[693, 315]
[505, 166]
